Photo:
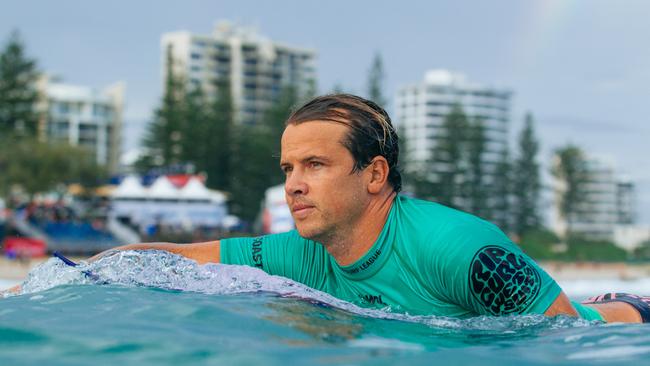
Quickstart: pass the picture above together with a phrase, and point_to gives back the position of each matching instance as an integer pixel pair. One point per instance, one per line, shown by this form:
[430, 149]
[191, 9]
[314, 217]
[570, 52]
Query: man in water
[358, 239]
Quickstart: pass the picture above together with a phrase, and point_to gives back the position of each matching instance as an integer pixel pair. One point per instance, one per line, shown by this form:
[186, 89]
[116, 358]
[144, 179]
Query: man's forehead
[312, 138]
[316, 130]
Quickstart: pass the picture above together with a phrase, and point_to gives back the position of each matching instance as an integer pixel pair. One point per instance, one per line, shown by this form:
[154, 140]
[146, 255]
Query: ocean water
[154, 308]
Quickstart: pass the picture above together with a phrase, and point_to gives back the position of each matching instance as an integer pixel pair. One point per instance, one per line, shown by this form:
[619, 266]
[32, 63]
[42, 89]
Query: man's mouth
[301, 210]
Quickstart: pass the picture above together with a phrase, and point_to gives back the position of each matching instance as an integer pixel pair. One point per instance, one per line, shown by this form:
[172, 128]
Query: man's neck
[350, 245]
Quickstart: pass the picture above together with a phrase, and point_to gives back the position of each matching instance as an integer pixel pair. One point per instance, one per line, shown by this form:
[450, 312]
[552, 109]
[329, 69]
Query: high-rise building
[608, 202]
[625, 201]
[82, 116]
[256, 67]
[421, 109]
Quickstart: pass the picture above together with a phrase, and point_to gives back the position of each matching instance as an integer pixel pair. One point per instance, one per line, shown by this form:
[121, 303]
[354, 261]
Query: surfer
[360, 240]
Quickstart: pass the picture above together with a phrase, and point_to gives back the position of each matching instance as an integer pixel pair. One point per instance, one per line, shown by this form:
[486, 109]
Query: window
[99, 110]
[63, 107]
[58, 129]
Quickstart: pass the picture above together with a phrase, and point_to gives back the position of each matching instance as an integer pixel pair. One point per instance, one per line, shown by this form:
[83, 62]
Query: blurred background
[160, 121]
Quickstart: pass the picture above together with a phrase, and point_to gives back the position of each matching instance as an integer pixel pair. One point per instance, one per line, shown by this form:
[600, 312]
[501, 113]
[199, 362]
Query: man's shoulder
[436, 222]
[446, 217]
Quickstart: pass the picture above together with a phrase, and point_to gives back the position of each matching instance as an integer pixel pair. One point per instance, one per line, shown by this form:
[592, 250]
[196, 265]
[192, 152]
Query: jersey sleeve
[479, 269]
[286, 254]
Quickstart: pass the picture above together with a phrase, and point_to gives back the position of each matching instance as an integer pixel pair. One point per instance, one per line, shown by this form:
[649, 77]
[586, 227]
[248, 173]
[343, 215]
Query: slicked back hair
[371, 132]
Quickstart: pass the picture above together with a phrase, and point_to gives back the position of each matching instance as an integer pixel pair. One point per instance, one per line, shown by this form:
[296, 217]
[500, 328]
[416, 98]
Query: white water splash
[169, 271]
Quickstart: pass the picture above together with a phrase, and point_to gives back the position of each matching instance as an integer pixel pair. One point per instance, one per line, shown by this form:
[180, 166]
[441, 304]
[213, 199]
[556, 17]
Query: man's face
[325, 198]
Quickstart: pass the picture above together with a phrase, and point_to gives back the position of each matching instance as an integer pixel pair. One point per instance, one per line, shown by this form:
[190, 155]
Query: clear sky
[581, 67]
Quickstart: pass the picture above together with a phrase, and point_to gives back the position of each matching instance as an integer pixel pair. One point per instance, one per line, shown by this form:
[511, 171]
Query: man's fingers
[11, 291]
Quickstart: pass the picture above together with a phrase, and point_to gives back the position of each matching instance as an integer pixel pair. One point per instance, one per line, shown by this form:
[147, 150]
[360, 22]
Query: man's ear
[378, 170]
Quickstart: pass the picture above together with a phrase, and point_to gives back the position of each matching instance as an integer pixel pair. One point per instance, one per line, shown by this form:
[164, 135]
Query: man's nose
[295, 184]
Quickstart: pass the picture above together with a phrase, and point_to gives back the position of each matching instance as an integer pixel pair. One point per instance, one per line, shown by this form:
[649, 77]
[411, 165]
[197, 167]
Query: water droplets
[164, 270]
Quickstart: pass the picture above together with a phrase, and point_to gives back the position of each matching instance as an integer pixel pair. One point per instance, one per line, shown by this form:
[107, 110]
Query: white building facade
[256, 67]
[84, 117]
[607, 211]
[421, 109]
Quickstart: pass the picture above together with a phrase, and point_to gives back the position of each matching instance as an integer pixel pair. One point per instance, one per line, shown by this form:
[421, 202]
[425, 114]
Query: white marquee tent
[193, 205]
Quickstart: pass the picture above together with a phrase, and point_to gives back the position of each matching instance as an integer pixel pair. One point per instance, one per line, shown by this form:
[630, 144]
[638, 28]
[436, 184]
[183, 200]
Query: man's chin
[307, 232]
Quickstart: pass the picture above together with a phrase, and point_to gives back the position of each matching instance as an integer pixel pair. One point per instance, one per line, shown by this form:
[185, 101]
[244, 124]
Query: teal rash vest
[428, 260]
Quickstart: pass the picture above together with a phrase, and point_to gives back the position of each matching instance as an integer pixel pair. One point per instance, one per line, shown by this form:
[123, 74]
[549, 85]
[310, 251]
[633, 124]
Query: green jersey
[428, 260]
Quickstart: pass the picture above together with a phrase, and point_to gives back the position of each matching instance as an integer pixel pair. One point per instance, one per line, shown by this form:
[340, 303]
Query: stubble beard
[331, 235]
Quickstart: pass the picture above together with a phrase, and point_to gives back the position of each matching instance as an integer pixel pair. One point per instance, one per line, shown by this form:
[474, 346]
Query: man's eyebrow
[315, 157]
[308, 158]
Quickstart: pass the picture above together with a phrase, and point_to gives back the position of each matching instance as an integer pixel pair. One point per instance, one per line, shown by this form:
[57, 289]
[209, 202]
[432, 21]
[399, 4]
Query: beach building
[421, 108]
[257, 67]
[83, 116]
[608, 205]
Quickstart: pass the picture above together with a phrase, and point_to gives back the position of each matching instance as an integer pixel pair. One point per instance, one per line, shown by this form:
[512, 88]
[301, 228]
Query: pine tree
[220, 143]
[18, 95]
[448, 159]
[570, 169]
[476, 189]
[258, 150]
[376, 78]
[502, 193]
[250, 179]
[338, 88]
[194, 128]
[526, 181]
[164, 134]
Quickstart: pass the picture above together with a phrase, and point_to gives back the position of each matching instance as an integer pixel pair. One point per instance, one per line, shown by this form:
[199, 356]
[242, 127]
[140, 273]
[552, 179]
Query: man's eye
[315, 164]
[286, 169]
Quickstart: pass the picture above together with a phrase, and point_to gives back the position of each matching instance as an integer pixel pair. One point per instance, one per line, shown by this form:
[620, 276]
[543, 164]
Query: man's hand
[11, 291]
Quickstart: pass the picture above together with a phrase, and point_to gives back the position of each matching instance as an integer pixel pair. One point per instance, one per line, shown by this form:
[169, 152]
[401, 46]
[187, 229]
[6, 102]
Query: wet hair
[371, 132]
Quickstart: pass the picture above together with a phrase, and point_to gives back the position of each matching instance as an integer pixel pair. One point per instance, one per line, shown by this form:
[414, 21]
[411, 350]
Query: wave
[164, 270]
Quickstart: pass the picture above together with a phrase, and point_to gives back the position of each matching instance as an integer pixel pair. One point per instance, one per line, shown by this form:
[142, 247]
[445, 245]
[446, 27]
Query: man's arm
[206, 252]
[610, 312]
[561, 306]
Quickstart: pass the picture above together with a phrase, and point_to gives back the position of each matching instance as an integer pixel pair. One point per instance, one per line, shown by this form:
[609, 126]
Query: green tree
[194, 127]
[257, 154]
[502, 192]
[310, 92]
[538, 243]
[39, 166]
[570, 169]
[448, 158]
[581, 249]
[219, 140]
[406, 163]
[276, 116]
[164, 134]
[250, 180]
[18, 95]
[376, 77]
[526, 181]
[476, 187]
[338, 88]
[642, 252]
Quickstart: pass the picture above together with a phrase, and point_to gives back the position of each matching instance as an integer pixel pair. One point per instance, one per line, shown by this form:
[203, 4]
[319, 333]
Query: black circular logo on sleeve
[502, 281]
